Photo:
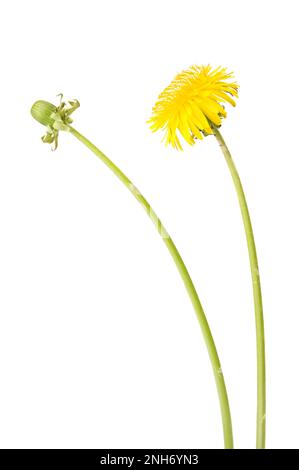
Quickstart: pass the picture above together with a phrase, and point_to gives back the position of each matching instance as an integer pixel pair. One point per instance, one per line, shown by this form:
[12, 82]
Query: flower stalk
[212, 351]
[257, 294]
[59, 120]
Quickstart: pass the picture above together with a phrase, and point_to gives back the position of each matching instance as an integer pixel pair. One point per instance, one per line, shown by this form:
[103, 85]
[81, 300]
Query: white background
[99, 344]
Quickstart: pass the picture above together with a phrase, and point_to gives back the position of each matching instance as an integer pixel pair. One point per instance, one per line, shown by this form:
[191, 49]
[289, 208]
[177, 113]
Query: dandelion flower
[193, 103]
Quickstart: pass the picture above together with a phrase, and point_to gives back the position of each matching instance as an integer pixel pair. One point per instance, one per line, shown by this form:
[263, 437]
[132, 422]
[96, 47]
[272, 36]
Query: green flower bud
[55, 118]
[43, 112]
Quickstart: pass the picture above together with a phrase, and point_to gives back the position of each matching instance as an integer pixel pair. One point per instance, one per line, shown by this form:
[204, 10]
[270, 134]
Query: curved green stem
[222, 393]
[257, 294]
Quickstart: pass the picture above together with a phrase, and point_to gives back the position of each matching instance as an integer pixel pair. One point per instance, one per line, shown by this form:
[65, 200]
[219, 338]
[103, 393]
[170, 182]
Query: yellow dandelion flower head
[193, 103]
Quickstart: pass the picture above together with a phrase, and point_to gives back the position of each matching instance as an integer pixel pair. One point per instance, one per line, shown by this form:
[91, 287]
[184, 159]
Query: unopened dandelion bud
[55, 118]
[43, 112]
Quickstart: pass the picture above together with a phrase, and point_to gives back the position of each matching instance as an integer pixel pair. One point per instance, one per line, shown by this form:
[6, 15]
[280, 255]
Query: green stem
[257, 294]
[222, 393]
